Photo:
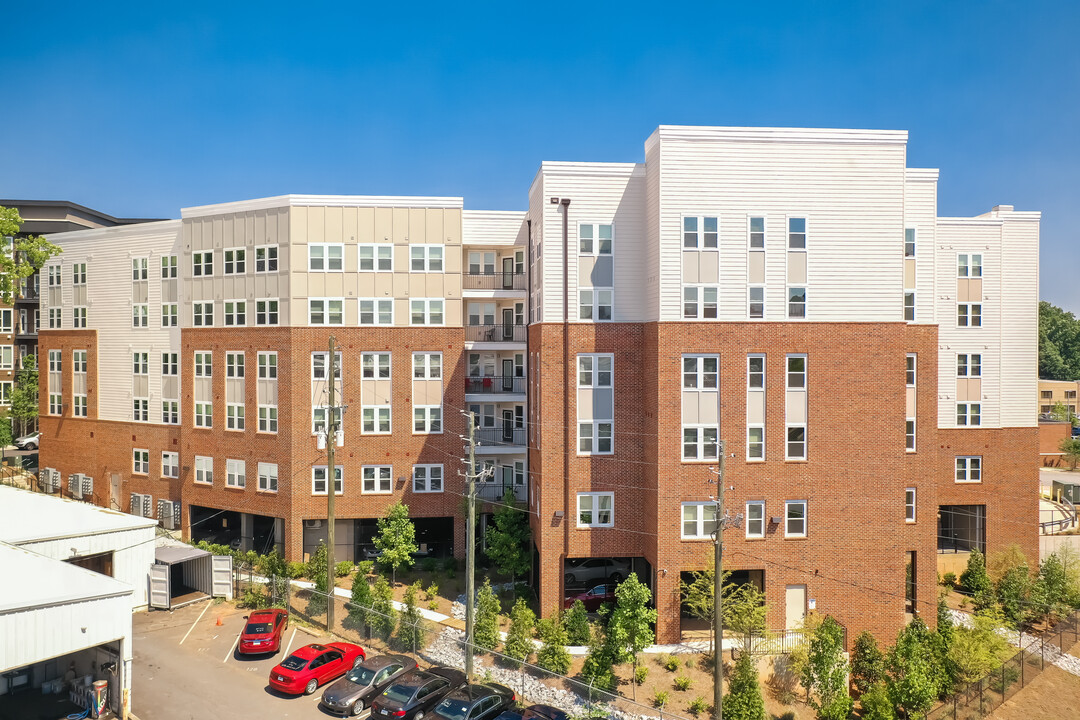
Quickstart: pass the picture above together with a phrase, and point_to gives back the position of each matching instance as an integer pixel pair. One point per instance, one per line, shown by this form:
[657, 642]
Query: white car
[28, 442]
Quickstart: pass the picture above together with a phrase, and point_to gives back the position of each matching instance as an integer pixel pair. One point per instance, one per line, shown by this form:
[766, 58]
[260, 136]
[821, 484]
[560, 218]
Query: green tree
[412, 628]
[974, 579]
[396, 539]
[978, 650]
[599, 663]
[552, 655]
[519, 639]
[867, 663]
[1060, 411]
[273, 567]
[24, 396]
[697, 597]
[486, 622]
[876, 705]
[31, 252]
[630, 627]
[914, 676]
[383, 616]
[1012, 591]
[576, 622]
[745, 611]
[316, 572]
[942, 640]
[508, 540]
[743, 700]
[1070, 450]
[826, 671]
[360, 602]
[1059, 343]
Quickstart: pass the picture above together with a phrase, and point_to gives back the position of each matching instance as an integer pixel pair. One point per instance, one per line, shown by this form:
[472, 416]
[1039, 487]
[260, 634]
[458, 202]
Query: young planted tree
[1070, 450]
[743, 700]
[396, 539]
[383, 616]
[552, 654]
[30, 254]
[24, 396]
[867, 663]
[914, 676]
[508, 539]
[826, 671]
[598, 667]
[1013, 590]
[360, 602]
[745, 611]
[519, 640]
[1050, 593]
[486, 622]
[316, 571]
[273, 567]
[630, 627]
[697, 597]
[978, 650]
[876, 705]
[976, 582]
[576, 622]
[412, 629]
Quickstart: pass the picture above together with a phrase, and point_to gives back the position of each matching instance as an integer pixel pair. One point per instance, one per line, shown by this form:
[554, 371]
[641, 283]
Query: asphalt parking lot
[186, 667]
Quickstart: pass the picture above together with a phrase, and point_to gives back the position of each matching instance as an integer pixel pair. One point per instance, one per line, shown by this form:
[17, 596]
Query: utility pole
[718, 594]
[331, 486]
[470, 548]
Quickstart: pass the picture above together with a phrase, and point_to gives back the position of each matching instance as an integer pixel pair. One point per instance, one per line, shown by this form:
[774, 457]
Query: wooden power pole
[331, 487]
[470, 549]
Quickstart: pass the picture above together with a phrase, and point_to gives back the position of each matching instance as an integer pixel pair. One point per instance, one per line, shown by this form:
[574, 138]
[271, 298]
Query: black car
[415, 694]
[535, 712]
[354, 692]
[475, 702]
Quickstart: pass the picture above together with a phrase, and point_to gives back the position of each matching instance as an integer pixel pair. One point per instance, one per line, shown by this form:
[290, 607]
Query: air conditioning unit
[148, 506]
[87, 486]
[169, 514]
[52, 480]
[313, 524]
[136, 504]
[75, 485]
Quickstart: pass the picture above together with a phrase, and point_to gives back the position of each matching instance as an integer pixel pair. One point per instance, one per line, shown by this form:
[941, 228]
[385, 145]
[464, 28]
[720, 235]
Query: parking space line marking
[234, 644]
[195, 623]
[291, 638]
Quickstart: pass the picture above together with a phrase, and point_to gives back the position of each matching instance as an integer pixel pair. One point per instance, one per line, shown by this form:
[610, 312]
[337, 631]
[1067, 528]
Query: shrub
[949, 580]
[296, 570]
[697, 706]
[876, 704]
[660, 699]
[429, 565]
[519, 644]
[576, 622]
[825, 675]
[432, 591]
[253, 598]
[789, 715]
[343, 568]
[744, 700]
[671, 663]
[640, 673]
[365, 567]
[384, 616]
[1000, 682]
[412, 629]
[449, 565]
[867, 663]
[486, 623]
[689, 663]
[597, 669]
[552, 655]
[974, 579]
[682, 682]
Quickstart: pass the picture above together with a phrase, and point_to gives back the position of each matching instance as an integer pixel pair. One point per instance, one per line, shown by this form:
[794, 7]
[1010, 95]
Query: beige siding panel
[417, 225]
[417, 285]
[757, 267]
[365, 225]
[452, 226]
[691, 410]
[433, 225]
[384, 284]
[170, 388]
[352, 312]
[584, 403]
[333, 224]
[585, 267]
[427, 392]
[797, 268]
[909, 273]
[402, 315]
[708, 267]
[400, 221]
[452, 259]
[436, 285]
[234, 391]
[316, 225]
[140, 385]
[384, 225]
[690, 269]
[708, 408]
[755, 408]
[202, 389]
[365, 285]
[795, 406]
[453, 313]
[401, 285]
[910, 400]
[334, 284]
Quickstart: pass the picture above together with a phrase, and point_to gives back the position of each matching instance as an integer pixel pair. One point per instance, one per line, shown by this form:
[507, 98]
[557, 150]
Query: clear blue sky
[141, 109]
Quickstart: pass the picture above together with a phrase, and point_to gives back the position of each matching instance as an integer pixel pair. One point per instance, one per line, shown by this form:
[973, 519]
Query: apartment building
[787, 295]
[1052, 392]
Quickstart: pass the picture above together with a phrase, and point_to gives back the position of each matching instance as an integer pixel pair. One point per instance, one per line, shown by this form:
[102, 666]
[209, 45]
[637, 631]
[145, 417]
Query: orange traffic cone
[218, 621]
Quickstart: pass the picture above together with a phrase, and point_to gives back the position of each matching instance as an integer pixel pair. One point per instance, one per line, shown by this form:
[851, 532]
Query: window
[56, 404]
[755, 519]
[427, 366]
[909, 435]
[700, 232]
[56, 361]
[203, 314]
[6, 320]
[595, 303]
[203, 364]
[1046, 394]
[204, 470]
[376, 312]
[170, 464]
[235, 473]
[968, 414]
[235, 261]
[266, 258]
[140, 315]
[757, 233]
[78, 274]
[910, 374]
[7, 357]
[140, 461]
[698, 520]
[427, 419]
[325, 311]
[266, 312]
[595, 434]
[602, 375]
[909, 242]
[969, 469]
[268, 418]
[426, 258]
[140, 409]
[700, 372]
[909, 306]
[204, 415]
[795, 518]
[169, 315]
[755, 442]
[594, 437]
[140, 362]
[376, 257]
[757, 301]
[202, 264]
[796, 233]
[168, 267]
[234, 416]
[427, 478]
[318, 480]
[234, 365]
[375, 366]
[170, 363]
[909, 505]
[268, 473]
[796, 302]
[78, 317]
[426, 312]
[595, 509]
[969, 265]
[55, 318]
[969, 315]
[968, 365]
[319, 420]
[267, 365]
[170, 412]
[595, 239]
[79, 404]
[699, 302]
[375, 420]
[796, 442]
[79, 361]
[795, 447]
[54, 276]
[326, 256]
[138, 270]
[236, 312]
[700, 443]
[318, 365]
[377, 479]
[796, 372]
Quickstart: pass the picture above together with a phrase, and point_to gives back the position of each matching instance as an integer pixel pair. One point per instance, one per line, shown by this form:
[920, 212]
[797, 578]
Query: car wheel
[616, 577]
[418, 716]
[311, 686]
[358, 707]
[569, 579]
[30, 446]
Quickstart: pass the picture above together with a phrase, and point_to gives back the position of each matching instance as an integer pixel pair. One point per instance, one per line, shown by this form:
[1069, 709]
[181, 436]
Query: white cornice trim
[764, 134]
[968, 221]
[281, 201]
[163, 228]
[592, 168]
[922, 174]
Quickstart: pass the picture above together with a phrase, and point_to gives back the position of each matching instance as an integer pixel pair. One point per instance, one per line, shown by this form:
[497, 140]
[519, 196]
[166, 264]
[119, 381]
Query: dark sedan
[475, 702]
[535, 712]
[354, 692]
[415, 694]
[593, 598]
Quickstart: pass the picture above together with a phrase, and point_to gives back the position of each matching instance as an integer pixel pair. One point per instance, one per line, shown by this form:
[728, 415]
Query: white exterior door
[159, 587]
[795, 604]
[221, 576]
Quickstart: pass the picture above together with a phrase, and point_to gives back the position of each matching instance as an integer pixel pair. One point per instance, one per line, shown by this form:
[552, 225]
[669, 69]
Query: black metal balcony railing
[496, 384]
[494, 281]
[501, 435]
[496, 333]
[495, 491]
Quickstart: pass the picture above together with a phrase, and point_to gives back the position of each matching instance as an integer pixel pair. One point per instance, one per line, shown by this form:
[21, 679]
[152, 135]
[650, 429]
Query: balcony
[496, 333]
[494, 281]
[494, 491]
[505, 436]
[495, 385]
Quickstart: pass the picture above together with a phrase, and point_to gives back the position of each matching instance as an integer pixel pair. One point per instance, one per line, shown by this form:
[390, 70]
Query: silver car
[352, 693]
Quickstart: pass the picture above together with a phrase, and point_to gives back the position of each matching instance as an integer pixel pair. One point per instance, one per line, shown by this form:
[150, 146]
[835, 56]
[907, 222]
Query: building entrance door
[795, 604]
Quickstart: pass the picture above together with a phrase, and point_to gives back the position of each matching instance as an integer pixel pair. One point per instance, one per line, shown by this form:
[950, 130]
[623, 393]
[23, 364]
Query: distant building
[1052, 392]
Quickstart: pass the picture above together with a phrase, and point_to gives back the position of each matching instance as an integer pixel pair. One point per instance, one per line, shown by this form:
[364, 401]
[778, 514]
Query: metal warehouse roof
[27, 516]
[172, 555]
[32, 581]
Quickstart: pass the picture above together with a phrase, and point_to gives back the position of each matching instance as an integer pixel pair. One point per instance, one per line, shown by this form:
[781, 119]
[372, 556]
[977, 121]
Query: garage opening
[62, 685]
[434, 537]
[699, 628]
[218, 527]
[182, 575]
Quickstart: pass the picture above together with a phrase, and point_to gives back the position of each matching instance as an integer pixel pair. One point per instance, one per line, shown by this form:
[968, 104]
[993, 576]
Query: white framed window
[139, 268]
[909, 242]
[170, 315]
[266, 312]
[204, 364]
[595, 509]
[796, 442]
[796, 372]
[266, 258]
[78, 404]
[700, 442]
[54, 275]
[140, 363]
[699, 302]
[78, 274]
[701, 232]
[969, 414]
[796, 302]
[969, 265]
[756, 302]
[911, 364]
[427, 419]
[318, 365]
[55, 318]
[426, 258]
[377, 479]
[268, 418]
[170, 464]
[204, 414]
[140, 315]
[755, 443]
[202, 314]
[594, 437]
[326, 311]
[909, 306]
[796, 233]
[427, 478]
[595, 304]
[969, 468]
[427, 311]
[375, 420]
[235, 261]
[56, 361]
[755, 393]
[140, 462]
[268, 472]
[969, 315]
[795, 518]
[909, 435]
[909, 505]
[235, 312]
[427, 366]
[698, 520]
[756, 233]
[140, 409]
[168, 267]
[755, 519]
[6, 320]
[170, 412]
[700, 372]
[595, 239]
[204, 470]
[78, 317]
[7, 357]
[202, 264]
[378, 257]
[78, 358]
[170, 364]
[595, 434]
[56, 404]
[326, 257]
[376, 311]
[234, 364]
[234, 416]
[968, 365]
[267, 365]
[318, 480]
[595, 371]
[375, 366]
[235, 473]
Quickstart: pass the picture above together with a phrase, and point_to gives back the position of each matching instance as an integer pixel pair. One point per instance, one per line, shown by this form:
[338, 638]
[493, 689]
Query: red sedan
[593, 598]
[263, 631]
[312, 665]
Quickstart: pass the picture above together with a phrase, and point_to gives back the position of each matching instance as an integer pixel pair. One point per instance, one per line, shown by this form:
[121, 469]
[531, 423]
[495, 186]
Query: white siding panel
[1019, 319]
[920, 212]
[29, 636]
[489, 227]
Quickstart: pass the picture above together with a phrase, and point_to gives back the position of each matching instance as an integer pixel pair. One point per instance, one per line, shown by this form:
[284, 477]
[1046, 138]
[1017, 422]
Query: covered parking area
[182, 575]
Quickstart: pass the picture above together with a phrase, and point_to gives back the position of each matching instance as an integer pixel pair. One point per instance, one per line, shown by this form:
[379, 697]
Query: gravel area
[1024, 641]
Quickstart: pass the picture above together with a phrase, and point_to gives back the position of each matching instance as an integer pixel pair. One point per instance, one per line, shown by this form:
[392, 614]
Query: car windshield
[453, 709]
[399, 692]
[361, 676]
[294, 662]
[257, 628]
